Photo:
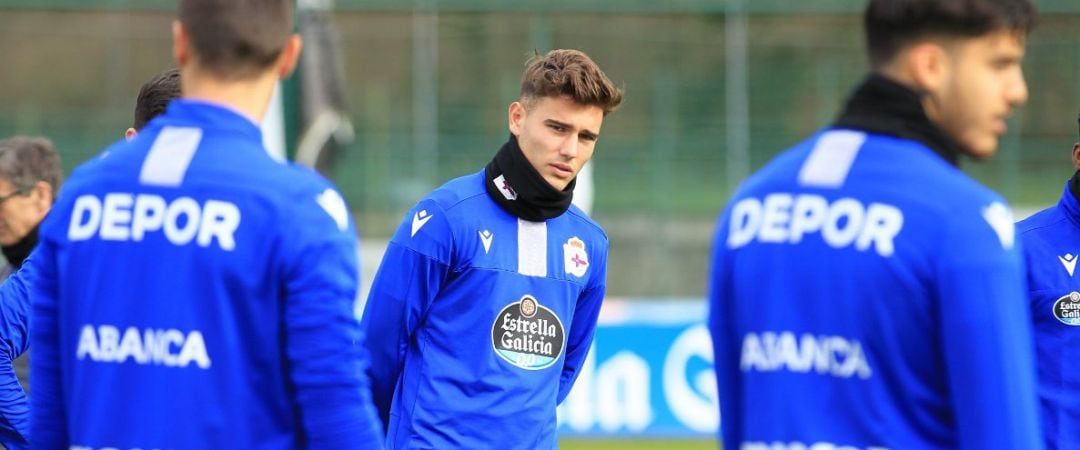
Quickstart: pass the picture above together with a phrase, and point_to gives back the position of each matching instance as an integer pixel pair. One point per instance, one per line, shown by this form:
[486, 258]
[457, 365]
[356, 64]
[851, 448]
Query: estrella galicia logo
[527, 334]
[1067, 309]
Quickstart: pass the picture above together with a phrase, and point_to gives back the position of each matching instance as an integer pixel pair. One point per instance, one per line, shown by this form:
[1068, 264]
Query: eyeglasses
[19, 192]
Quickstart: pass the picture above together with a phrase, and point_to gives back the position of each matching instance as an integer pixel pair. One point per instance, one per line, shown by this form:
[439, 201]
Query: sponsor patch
[528, 335]
[576, 260]
[1067, 309]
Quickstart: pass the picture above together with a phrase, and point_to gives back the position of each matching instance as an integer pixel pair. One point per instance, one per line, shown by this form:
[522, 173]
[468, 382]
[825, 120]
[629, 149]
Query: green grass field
[637, 444]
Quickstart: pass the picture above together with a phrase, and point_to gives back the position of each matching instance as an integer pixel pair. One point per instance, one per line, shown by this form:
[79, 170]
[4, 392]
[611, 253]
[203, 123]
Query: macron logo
[419, 219]
[1001, 220]
[1069, 261]
[485, 237]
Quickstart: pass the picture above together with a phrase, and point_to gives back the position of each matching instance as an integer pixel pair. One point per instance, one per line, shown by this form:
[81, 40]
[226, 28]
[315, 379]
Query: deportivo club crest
[576, 261]
[503, 186]
[528, 335]
[1067, 309]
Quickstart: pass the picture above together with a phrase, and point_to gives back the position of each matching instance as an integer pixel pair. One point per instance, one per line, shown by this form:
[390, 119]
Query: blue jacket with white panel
[478, 322]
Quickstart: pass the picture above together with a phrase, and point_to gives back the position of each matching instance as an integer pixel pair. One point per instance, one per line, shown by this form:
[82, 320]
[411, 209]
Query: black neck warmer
[531, 197]
[882, 106]
[16, 253]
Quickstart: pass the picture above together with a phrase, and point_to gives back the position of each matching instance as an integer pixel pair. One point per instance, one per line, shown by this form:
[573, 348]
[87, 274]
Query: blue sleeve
[48, 425]
[412, 272]
[326, 362]
[583, 328]
[987, 333]
[14, 339]
[726, 351]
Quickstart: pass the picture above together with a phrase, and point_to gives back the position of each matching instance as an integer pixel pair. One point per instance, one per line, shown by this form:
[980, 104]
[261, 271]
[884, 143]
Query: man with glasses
[29, 179]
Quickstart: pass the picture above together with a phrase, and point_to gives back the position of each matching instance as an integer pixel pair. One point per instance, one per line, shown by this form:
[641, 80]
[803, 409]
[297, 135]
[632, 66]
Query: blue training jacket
[866, 294]
[478, 322]
[1051, 240]
[192, 293]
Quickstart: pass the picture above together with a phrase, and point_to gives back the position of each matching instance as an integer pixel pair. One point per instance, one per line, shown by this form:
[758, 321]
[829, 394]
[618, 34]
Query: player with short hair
[154, 97]
[191, 292]
[1051, 242]
[865, 293]
[484, 306]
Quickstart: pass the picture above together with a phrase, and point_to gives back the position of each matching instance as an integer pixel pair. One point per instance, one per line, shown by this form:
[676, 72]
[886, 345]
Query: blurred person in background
[484, 306]
[30, 177]
[245, 338]
[154, 97]
[1051, 243]
[867, 294]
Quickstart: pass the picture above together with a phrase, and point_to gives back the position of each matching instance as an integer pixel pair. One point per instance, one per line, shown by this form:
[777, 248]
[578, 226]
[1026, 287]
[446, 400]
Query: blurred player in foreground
[191, 292]
[867, 294]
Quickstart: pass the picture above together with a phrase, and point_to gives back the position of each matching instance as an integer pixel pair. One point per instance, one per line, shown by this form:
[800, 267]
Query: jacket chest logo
[575, 259]
[1067, 309]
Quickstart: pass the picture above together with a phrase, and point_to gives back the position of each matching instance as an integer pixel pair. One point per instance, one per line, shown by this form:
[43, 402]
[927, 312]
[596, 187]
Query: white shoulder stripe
[532, 248]
[831, 159]
[169, 157]
[1000, 218]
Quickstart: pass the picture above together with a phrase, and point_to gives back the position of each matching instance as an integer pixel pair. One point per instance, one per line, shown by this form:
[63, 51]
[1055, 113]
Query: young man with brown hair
[188, 290]
[485, 303]
[865, 293]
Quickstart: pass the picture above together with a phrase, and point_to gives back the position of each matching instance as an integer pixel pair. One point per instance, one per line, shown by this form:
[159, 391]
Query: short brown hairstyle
[155, 95]
[569, 73]
[26, 160]
[892, 24]
[237, 39]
